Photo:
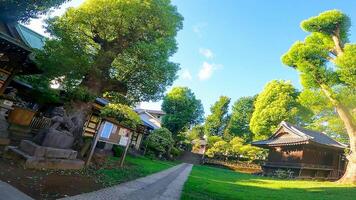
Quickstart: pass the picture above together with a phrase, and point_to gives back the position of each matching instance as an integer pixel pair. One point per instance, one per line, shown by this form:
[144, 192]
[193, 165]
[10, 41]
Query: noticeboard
[114, 134]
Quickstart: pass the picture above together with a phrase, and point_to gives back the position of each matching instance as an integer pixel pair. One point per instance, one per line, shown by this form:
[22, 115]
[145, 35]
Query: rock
[58, 139]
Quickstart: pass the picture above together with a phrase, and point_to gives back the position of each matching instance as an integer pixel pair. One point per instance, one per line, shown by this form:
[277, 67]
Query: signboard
[112, 133]
[124, 141]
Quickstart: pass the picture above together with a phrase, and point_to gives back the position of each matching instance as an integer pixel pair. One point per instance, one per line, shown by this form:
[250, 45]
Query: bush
[176, 152]
[122, 113]
[235, 149]
[283, 174]
[118, 150]
[160, 141]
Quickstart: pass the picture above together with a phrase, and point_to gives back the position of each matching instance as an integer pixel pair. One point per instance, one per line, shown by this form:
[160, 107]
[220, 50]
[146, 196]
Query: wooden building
[16, 45]
[306, 153]
[95, 122]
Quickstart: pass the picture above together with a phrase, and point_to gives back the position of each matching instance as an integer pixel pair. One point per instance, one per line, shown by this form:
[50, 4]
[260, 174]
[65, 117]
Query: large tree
[182, 109]
[277, 102]
[114, 48]
[23, 10]
[324, 117]
[326, 61]
[216, 122]
[239, 123]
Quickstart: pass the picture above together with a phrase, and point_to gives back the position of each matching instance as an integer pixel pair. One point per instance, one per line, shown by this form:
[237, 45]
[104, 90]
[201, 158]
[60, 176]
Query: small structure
[16, 45]
[94, 123]
[199, 146]
[151, 118]
[307, 153]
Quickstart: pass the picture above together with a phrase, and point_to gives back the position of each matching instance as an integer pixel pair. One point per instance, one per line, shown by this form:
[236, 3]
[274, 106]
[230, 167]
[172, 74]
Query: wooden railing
[38, 123]
[297, 165]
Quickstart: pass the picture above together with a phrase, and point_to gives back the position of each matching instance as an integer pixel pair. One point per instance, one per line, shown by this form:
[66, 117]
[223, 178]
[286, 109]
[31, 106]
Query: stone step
[48, 152]
[63, 164]
[45, 163]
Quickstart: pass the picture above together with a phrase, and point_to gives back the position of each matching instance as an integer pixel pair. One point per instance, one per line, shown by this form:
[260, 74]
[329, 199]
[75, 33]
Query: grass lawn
[215, 183]
[135, 167]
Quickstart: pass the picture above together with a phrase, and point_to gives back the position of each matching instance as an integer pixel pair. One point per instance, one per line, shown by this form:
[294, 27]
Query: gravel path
[165, 185]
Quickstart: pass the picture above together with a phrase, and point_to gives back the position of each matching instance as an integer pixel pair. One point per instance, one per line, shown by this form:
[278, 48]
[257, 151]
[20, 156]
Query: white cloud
[186, 75]
[207, 53]
[207, 70]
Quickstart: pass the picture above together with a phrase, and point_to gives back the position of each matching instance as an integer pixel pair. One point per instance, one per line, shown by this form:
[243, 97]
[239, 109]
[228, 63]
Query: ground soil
[46, 184]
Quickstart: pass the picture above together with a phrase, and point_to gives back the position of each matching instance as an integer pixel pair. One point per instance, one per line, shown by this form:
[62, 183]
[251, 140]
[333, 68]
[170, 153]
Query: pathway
[164, 185]
[7, 192]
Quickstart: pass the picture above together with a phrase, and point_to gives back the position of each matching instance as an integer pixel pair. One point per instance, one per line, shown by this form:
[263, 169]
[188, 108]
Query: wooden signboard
[112, 133]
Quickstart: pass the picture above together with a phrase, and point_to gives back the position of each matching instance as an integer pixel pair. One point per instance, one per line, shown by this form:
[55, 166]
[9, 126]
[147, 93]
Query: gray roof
[300, 136]
[30, 37]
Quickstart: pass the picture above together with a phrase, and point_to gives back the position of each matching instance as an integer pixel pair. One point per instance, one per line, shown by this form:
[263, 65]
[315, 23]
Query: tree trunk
[350, 125]
[338, 43]
[79, 112]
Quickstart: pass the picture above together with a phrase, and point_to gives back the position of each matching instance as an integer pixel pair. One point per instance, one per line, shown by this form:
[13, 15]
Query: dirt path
[165, 185]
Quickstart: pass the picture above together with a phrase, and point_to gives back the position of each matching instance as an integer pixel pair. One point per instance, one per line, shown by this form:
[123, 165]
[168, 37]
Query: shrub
[122, 113]
[160, 141]
[118, 150]
[176, 152]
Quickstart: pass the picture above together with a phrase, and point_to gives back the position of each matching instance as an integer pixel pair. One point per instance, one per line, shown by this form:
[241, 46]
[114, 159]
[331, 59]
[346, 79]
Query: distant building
[307, 153]
[151, 118]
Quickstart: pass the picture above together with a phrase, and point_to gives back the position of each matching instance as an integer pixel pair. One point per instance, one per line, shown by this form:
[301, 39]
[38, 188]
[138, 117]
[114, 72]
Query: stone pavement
[7, 192]
[164, 185]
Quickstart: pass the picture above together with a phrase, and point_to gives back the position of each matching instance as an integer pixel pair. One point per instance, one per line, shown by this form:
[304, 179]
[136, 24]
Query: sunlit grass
[135, 167]
[215, 183]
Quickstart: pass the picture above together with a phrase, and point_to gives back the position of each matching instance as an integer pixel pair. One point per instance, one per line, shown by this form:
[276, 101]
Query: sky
[233, 47]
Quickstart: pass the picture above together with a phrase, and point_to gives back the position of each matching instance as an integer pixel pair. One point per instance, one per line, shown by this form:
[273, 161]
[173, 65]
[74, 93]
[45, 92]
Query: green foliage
[347, 65]
[277, 102]
[20, 10]
[182, 110]
[235, 149]
[212, 140]
[324, 118]
[160, 141]
[118, 150]
[122, 113]
[41, 91]
[197, 132]
[216, 122]
[114, 46]
[327, 71]
[79, 94]
[310, 60]
[176, 152]
[239, 123]
[328, 23]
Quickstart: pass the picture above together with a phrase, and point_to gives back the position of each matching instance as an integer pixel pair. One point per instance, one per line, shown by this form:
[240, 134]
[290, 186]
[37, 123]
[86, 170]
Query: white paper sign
[124, 141]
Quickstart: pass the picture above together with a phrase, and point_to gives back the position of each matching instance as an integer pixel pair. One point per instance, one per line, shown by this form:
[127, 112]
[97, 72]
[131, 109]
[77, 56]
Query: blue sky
[233, 47]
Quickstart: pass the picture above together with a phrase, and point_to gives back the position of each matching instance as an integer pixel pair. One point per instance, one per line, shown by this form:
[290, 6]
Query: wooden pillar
[122, 160]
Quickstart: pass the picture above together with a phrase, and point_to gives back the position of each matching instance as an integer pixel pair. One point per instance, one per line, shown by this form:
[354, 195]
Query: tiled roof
[301, 136]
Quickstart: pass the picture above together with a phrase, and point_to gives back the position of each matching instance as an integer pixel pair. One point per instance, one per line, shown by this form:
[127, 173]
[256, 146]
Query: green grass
[135, 167]
[214, 183]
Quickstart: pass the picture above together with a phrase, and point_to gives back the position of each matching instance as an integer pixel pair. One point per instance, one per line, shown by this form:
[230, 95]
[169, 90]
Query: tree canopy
[116, 48]
[239, 123]
[182, 109]
[20, 10]
[277, 102]
[326, 63]
[216, 122]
